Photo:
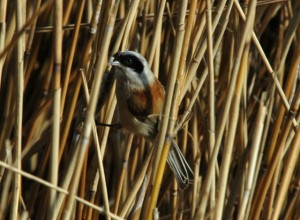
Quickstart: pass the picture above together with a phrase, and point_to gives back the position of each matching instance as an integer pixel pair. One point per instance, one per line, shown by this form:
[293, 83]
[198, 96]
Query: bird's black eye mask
[130, 61]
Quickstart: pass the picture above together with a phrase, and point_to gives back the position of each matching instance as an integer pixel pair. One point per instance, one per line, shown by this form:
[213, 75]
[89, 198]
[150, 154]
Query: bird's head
[133, 67]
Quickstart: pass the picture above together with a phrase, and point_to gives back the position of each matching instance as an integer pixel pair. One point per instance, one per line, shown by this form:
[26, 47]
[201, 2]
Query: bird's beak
[117, 55]
[115, 59]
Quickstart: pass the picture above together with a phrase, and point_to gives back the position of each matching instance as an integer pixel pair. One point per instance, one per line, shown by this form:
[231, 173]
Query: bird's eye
[129, 60]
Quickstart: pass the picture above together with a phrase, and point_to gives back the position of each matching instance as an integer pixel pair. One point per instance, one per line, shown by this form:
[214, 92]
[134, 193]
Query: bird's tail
[179, 166]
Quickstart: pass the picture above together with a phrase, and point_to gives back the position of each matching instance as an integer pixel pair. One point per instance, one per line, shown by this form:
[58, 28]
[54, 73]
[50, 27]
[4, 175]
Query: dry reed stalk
[169, 116]
[7, 117]
[135, 186]
[129, 24]
[257, 135]
[211, 73]
[88, 210]
[177, 201]
[91, 37]
[225, 111]
[136, 158]
[175, 213]
[204, 199]
[288, 170]
[68, 11]
[274, 157]
[124, 168]
[30, 176]
[71, 55]
[81, 190]
[293, 70]
[3, 8]
[157, 56]
[136, 213]
[268, 65]
[19, 80]
[22, 29]
[83, 141]
[196, 156]
[98, 148]
[289, 85]
[108, 117]
[57, 60]
[198, 55]
[240, 68]
[187, 38]
[275, 160]
[6, 184]
[156, 32]
[10, 31]
[70, 114]
[30, 38]
[61, 190]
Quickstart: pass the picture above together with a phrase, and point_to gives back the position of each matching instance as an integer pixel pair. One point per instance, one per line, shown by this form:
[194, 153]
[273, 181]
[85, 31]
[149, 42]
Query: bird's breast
[133, 106]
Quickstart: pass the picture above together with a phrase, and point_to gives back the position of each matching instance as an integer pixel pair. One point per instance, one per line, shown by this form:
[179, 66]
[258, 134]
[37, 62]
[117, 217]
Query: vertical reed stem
[19, 79]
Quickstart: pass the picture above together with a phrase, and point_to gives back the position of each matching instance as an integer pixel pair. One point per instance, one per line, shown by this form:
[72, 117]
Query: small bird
[140, 99]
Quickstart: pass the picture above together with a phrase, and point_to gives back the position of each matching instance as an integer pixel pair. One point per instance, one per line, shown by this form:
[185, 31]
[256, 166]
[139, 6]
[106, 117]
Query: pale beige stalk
[168, 121]
[211, 73]
[19, 76]
[3, 5]
[256, 140]
[86, 131]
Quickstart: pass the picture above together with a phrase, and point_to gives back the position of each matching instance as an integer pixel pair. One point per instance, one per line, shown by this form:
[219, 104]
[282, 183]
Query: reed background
[231, 73]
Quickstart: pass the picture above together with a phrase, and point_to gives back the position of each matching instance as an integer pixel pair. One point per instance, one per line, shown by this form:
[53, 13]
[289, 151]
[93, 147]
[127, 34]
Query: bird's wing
[139, 103]
[140, 106]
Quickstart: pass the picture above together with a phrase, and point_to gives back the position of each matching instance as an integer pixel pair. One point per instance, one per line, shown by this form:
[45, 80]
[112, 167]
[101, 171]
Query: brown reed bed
[231, 73]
